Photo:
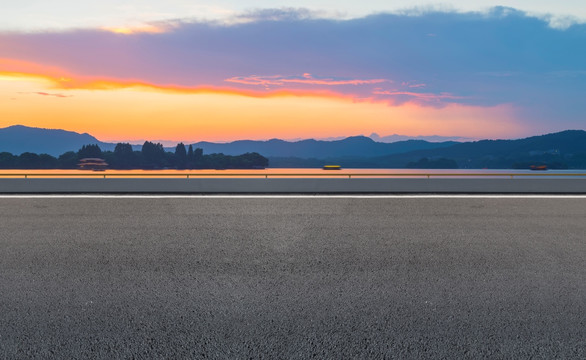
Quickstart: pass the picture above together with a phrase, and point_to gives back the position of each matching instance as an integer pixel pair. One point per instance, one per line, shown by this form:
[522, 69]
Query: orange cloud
[21, 68]
[114, 109]
[133, 110]
[61, 79]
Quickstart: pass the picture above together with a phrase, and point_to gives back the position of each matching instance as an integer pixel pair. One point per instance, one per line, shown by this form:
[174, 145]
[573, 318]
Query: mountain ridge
[564, 149]
[17, 139]
[350, 146]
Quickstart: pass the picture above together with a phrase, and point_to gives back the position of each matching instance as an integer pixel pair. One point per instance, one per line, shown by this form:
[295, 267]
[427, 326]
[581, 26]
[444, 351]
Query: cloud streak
[73, 82]
[428, 97]
[50, 94]
[305, 79]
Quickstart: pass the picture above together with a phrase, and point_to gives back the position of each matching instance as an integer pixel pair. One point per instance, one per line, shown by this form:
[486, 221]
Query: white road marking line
[321, 196]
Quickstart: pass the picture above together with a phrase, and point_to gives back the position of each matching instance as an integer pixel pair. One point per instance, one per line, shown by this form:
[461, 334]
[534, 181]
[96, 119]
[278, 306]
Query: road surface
[293, 278]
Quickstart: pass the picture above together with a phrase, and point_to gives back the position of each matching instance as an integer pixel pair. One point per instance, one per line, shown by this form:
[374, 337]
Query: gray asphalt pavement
[293, 278]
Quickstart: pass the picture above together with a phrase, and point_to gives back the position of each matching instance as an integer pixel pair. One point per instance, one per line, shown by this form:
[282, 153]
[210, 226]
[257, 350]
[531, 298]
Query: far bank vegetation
[151, 156]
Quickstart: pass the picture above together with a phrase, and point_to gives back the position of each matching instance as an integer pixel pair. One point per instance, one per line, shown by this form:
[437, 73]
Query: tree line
[151, 156]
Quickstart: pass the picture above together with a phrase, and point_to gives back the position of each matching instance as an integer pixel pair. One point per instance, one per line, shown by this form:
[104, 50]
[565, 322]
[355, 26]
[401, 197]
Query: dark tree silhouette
[47, 161]
[7, 160]
[28, 160]
[153, 155]
[252, 160]
[90, 151]
[124, 157]
[180, 156]
[190, 161]
[198, 158]
[68, 160]
[123, 149]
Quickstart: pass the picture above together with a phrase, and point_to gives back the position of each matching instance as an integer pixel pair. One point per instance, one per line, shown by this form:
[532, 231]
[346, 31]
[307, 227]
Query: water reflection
[293, 173]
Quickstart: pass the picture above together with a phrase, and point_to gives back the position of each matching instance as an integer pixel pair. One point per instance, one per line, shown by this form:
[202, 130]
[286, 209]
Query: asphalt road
[293, 278]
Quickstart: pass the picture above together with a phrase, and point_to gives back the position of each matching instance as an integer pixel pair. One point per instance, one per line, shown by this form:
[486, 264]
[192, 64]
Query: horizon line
[164, 142]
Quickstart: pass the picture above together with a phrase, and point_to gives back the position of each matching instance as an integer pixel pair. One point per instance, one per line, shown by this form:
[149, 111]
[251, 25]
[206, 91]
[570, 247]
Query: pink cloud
[305, 79]
[46, 94]
[426, 97]
[49, 94]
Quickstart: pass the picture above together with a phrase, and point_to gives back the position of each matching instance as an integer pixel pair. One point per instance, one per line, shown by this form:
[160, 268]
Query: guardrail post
[188, 176]
[349, 176]
[428, 176]
[266, 176]
[25, 176]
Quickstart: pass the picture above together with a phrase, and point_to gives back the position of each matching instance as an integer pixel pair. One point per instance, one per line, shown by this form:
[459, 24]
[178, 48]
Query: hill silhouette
[565, 142]
[352, 146]
[18, 139]
[566, 149]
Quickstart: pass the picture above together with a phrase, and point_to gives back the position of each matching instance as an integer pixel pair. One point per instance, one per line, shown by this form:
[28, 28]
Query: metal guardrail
[277, 175]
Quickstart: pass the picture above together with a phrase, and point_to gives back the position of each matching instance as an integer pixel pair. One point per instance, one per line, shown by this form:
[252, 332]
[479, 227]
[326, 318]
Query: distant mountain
[557, 150]
[18, 139]
[431, 138]
[361, 146]
[565, 143]
[566, 149]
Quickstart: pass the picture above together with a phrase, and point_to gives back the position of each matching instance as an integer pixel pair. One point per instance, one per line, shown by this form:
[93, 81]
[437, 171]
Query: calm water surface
[294, 172]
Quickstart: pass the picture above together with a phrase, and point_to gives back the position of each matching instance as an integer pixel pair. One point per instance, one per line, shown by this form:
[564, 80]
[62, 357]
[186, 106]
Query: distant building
[541, 152]
[92, 164]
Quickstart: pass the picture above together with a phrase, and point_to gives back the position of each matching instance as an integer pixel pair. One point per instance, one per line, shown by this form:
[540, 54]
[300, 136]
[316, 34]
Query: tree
[68, 160]
[180, 156]
[47, 161]
[7, 160]
[28, 160]
[123, 149]
[252, 160]
[124, 157]
[198, 158]
[90, 151]
[190, 161]
[153, 155]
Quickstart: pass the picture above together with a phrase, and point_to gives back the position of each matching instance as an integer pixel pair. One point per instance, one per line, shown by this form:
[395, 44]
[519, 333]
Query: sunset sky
[190, 71]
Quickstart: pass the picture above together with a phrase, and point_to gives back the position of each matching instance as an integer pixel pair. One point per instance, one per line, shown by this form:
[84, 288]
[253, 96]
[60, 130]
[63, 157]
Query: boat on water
[538, 167]
[95, 164]
[332, 167]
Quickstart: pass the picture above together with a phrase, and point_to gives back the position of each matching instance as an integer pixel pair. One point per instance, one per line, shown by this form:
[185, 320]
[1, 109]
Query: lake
[294, 172]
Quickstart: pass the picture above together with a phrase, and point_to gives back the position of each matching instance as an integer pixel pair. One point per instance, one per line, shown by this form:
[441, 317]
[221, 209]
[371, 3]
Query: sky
[192, 71]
